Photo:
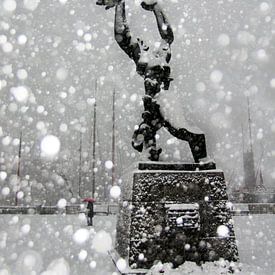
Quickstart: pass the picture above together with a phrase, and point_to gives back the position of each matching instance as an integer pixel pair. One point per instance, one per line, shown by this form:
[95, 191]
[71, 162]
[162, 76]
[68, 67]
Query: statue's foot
[198, 146]
[154, 154]
[207, 162]
[196, 141]
[137, 146]
[149, 4]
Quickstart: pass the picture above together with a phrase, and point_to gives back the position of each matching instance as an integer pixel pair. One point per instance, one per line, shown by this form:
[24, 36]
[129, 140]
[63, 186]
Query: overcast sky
[223, 52]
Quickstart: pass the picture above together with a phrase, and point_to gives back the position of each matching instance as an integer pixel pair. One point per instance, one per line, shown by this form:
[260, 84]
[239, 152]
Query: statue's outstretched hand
[149, 4]
[108, 3]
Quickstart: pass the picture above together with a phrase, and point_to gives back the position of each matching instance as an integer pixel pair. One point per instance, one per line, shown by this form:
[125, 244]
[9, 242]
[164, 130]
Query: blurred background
[59, 57]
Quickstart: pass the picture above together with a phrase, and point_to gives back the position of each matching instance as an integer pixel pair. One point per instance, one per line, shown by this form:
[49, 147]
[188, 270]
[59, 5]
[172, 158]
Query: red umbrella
[89, 200]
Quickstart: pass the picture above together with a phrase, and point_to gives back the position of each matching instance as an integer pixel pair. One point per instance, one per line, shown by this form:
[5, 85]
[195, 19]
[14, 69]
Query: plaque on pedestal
[175, 213]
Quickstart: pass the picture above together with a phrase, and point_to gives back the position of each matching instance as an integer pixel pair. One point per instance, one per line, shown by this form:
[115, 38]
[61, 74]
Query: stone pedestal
[175, 213]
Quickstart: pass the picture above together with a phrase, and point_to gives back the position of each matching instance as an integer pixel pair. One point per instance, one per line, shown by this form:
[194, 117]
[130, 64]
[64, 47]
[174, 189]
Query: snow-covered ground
[33, 242]
[256, 241]
[62, 245]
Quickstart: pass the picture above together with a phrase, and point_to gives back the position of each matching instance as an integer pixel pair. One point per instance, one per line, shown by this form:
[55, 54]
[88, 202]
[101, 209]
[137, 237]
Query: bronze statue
[153, 66]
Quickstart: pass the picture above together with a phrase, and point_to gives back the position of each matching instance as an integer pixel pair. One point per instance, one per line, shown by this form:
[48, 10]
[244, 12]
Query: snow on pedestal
[175, 216]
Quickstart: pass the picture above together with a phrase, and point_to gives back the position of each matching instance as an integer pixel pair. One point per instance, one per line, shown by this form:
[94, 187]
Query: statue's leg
[153, 117]
[196, 140]
[144, 136]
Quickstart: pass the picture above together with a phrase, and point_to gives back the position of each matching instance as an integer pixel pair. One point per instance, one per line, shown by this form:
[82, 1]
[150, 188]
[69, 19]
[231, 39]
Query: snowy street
[32, 243]
[255, 235]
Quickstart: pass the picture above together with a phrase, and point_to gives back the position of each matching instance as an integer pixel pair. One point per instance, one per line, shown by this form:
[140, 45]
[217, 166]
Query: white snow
[109, 164]
[255, 236]
[201, 87]
[182, 206]
[31, 4]
[91, 101]
[3, 39]
[52, 253]
[264, 7]
[216, 76]
[171, 106]
[61, 74]
[50, 146]
[9, 5]
[82, 255]
[7, 47]
[223, 231]
[63, 127]
[102, 242]
[81, 236]
[3, 175]
[25, 229]
[58, 267]
[93, 264]
[28, 262]
[62, 203]
[22, 39]
[245, 38]
[272, 83]
[5, 191]
[63, 2]
[20, 195]
[214, 268]
[121, 264]
[115, 192]
[223, 40]
[22, 74]
[20, 93]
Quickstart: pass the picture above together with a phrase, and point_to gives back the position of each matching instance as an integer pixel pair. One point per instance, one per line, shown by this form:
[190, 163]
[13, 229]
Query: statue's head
[142, 45]
[161, 48]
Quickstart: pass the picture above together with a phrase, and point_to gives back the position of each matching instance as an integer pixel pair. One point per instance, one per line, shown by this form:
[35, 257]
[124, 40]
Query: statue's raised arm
[122, 33]
[164, 26]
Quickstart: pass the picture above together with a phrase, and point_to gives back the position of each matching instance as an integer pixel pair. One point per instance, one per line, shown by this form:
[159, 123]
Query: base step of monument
[157, 165]
[126, 271]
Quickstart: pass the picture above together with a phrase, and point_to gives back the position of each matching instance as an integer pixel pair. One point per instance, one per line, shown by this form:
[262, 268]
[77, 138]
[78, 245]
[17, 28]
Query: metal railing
[113, 209]
[99, 209]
